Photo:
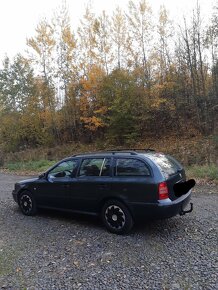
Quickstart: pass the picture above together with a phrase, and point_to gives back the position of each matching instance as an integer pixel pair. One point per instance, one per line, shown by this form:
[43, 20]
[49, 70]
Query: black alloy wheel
[27, 203]
[116, 217]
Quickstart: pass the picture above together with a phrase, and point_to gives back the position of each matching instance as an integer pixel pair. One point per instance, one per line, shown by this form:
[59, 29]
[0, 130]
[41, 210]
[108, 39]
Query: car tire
[27, 203]
[116, 217]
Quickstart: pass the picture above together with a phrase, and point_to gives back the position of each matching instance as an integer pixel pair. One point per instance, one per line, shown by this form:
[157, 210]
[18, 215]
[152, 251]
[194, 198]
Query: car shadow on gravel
[68, 217]
[149, 227]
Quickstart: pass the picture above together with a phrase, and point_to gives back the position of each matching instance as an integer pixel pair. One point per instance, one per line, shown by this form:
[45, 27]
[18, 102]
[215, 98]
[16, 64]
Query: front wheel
[27, 203]
[116, 217]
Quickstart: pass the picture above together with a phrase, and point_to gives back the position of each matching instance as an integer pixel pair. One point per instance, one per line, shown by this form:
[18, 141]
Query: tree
[43, 45]
[165, 33]
[86, 42]
[92, 109]
[120, 38]
[20, 110]
[119, 94]
[194, 52]
[212, 44]
[67, 73]
[140, 26]
[16, 84]
[101, 28]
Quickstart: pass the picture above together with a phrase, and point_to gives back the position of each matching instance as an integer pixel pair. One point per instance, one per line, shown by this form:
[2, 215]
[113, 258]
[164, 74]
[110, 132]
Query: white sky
[19, 18]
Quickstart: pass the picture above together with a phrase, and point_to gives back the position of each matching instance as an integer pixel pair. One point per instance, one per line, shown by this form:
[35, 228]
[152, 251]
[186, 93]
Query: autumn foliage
[117, 78]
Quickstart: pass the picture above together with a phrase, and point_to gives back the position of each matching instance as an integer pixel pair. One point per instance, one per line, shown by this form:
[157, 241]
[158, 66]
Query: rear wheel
[27, 203]
[116, 217]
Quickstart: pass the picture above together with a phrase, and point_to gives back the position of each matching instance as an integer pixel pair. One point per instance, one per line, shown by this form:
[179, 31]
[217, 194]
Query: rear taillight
[163, 190]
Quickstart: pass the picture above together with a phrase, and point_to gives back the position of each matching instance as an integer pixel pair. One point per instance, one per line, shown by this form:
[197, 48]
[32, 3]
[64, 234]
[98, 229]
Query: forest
[117, 78]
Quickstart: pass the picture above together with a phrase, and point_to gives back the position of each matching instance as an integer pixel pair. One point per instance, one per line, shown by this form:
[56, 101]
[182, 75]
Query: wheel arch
[30, 208]
[104, 200]
[21, 191]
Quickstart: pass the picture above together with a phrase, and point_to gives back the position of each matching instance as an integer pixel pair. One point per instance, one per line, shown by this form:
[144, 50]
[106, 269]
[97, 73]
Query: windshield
[167, 164]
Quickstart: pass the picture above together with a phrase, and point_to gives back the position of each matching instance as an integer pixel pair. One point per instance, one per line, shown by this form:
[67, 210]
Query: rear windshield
[167, 164]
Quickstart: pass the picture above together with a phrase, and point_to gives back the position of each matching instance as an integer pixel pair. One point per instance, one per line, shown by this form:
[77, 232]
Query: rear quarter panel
[133, 189]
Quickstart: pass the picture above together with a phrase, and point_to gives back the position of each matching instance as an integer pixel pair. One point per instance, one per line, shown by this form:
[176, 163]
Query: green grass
[207, 172]
[29, 166]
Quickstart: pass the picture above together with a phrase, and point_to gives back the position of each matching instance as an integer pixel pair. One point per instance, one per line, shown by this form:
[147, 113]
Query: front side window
[131, 167]
[95, 167]
[64, 169]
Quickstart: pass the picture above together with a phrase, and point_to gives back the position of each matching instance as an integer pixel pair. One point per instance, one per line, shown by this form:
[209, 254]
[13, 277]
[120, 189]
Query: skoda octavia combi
[121, 187]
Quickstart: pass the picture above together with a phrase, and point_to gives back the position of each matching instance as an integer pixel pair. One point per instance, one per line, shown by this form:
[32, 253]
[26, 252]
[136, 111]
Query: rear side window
[167, 164]
[95, 167]
[131, 167]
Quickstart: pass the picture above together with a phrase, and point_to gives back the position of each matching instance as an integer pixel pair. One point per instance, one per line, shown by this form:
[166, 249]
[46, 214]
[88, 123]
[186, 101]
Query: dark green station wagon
[119, 186]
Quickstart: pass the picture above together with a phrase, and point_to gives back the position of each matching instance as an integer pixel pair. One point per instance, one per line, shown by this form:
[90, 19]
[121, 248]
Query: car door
[91, 185]
[53, 190]
[132, 181]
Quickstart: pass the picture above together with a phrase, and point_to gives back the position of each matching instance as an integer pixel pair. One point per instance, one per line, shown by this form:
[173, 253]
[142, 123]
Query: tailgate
[178, 177]
[173, 173]
[178, 186]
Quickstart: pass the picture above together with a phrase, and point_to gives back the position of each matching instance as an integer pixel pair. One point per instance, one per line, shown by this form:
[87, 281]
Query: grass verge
[203, 172]
[28, 167]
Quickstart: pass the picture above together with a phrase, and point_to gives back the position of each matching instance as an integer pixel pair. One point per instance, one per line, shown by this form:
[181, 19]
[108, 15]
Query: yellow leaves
[90, 89]
[91, 119]
[68, 37]
[33, 43]
[67, 46]
[44, 40]
[92, 123]
[163, 16]
[91, 111]
[93, 78]
[163, 95]
[158, 102]
[84, 105]
[45, 33]
[102, 110]
[144, 7]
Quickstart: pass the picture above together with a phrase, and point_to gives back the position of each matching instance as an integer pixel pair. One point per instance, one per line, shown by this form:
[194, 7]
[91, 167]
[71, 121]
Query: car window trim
[102, 165]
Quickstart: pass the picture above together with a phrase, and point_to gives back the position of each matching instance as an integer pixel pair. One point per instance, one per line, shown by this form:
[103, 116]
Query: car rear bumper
[162, 209]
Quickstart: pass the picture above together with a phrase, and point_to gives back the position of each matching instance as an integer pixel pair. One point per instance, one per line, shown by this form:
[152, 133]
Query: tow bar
[183, 212]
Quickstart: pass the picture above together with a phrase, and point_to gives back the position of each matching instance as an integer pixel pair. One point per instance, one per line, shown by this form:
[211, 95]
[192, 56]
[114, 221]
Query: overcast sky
[19, 18]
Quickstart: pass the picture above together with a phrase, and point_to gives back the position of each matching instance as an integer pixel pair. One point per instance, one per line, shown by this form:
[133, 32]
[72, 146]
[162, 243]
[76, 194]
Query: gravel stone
[54, 250]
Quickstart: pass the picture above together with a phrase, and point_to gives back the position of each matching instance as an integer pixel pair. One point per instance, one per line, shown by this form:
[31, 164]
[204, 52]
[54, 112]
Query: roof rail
[131, 149]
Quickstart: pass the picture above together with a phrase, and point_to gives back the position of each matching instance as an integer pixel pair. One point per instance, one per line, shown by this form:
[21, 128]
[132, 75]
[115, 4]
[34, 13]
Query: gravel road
[53, 250]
